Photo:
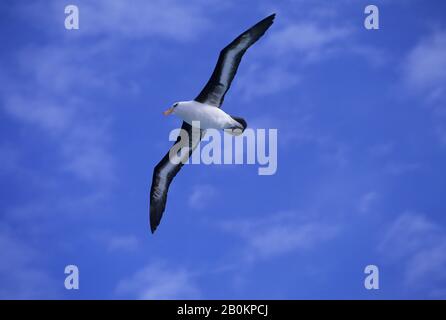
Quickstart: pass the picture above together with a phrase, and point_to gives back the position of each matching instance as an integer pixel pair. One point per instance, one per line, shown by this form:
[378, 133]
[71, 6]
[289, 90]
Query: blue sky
[361, 119]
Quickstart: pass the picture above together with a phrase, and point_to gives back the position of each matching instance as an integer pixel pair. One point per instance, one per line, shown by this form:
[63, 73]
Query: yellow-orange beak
[168, 111]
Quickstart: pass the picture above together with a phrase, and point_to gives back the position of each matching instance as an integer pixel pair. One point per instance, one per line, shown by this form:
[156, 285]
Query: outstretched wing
[166, 170]
[228, 61]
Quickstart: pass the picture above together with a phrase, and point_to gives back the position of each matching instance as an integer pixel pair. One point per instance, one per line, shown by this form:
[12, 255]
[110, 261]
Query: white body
[209, 116]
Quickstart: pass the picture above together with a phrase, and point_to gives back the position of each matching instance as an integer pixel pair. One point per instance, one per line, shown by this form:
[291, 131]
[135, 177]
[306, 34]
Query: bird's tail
[239, 128]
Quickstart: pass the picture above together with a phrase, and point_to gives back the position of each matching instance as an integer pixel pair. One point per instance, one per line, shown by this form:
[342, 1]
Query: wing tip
[271, 17]
[267, 22]
[154, 223]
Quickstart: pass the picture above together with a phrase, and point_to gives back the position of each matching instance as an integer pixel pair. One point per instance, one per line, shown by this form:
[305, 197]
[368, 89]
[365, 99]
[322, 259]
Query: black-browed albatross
[205, 108]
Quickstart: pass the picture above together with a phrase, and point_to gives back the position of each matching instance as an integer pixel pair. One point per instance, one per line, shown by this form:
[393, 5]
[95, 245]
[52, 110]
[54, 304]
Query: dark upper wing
[214, 91]
[166, 170]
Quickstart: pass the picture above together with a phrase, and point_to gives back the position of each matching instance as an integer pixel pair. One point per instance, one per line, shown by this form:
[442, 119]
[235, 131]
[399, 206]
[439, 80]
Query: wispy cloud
[282, 56]
[52, 107]
[167, 19]
[419, 246]
[201, 195]
[399, 168]
[279, 234]
[425, 65]
[303, 131]
[259, 80]
[155, 281]
[126, 243]
[20, 273]
[310, 41]
[50, 93]
[291, 47]
[367, 201]
[424, 73]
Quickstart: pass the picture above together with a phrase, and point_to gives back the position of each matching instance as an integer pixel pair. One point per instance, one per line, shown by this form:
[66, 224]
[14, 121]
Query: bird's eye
[175, 105]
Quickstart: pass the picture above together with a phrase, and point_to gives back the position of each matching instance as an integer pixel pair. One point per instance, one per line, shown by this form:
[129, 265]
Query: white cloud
[283, 55]
[167, 19]
[50, 87]
[46, 95]
[201, 196]
[418, 245]
[307, 39]
[127, 243]
[43, 113]
[280, 234]
[155, 281]
[58, 105]
[425, 65]
[407, 233]
[399, 168]
[21, 275]
[290, 47]
[260, 80]
[367, 201]
[428, 265]
[59, 89]
[424, 73]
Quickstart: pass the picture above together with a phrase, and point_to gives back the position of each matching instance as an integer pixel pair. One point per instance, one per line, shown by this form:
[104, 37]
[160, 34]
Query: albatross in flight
[205, 108]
